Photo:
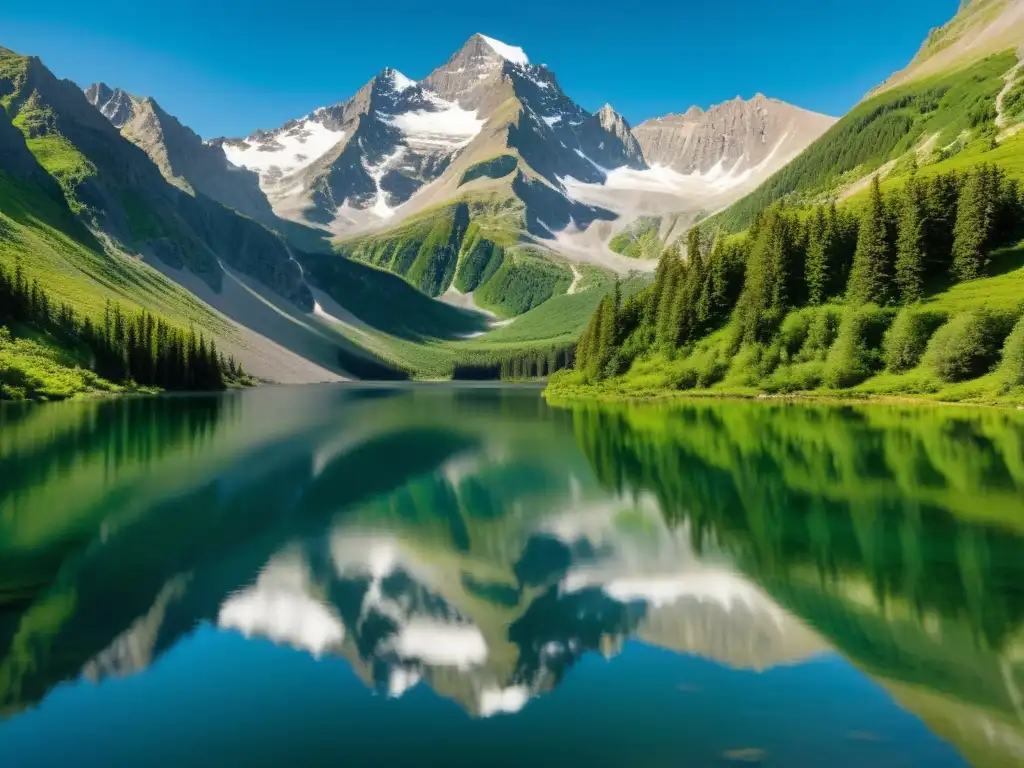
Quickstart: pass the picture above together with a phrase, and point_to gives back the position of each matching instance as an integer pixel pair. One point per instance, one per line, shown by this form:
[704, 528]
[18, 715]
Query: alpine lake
[469, 576]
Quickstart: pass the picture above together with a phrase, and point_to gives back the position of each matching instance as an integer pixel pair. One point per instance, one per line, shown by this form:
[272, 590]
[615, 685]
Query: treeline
[924, 237]
[137, 348]
[514, 365]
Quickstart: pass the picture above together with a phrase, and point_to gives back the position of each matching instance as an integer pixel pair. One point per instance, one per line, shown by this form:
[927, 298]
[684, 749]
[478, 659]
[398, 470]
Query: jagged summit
[754, 136]
[508, 52]
[115, 104]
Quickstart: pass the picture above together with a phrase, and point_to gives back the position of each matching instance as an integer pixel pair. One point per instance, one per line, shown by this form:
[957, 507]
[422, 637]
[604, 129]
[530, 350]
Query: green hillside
[919, 292]
[885, 260]
[943, 114]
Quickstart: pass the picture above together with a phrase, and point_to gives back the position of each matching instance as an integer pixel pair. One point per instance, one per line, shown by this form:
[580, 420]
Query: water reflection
[482, 546]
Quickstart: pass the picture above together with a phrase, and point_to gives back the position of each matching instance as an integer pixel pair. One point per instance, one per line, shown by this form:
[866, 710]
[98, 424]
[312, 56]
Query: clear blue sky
[227, 67]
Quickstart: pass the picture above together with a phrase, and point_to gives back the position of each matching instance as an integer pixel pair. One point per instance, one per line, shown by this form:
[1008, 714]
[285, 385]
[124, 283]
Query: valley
[483, 183]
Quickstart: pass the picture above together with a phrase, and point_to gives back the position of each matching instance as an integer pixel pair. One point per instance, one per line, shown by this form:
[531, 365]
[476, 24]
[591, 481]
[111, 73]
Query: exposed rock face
[179, 153]
[755, 137]
[114, 104]
[979, 29]
[627, 145]
[120, 191]
[465, 77]
[351, 165]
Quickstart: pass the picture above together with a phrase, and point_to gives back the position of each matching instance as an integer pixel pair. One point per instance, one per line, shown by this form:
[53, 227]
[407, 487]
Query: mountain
[486, 178]
[980, 28]
[179, 153]
[736, 143]
[952, 95]
[117, 189]
[352, 165]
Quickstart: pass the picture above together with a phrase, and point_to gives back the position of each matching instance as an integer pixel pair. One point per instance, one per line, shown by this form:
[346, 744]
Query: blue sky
[227, 67]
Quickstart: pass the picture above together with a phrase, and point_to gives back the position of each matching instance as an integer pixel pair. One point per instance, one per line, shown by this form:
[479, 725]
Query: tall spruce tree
[667, 297]
[608, 343]
[911, 240]
[871, 278]
[974, 221]
[774, 273]
[817, 265]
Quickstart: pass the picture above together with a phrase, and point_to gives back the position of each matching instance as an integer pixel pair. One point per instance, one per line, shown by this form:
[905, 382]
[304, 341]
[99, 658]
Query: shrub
[907, 339]
[684, 377]
[798, 377]
[821, 334]
[710, 366]
[968, 345]
[1011, 370]
[744, 370]
[855, 356]
[793, 332]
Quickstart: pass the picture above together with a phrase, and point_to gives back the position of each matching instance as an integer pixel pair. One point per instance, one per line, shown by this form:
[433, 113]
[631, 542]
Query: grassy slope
[881, 129]
[55, 249]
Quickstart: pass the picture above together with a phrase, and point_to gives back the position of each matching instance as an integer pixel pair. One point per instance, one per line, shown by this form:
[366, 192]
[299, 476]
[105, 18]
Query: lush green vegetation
[479, 259]
[134, 351]
[513, 365]
[386, 302]
[883, 128]
[523, 281]
[810, 302]
[464, 246]
[639, 241]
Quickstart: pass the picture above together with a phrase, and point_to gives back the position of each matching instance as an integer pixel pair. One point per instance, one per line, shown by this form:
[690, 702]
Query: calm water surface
[467, 576]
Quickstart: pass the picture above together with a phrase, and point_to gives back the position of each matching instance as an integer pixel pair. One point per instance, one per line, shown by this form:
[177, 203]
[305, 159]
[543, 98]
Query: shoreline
[597, 394]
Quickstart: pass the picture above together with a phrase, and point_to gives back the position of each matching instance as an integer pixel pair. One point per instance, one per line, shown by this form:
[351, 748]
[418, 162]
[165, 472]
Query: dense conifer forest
[818, 297]
[133, 350]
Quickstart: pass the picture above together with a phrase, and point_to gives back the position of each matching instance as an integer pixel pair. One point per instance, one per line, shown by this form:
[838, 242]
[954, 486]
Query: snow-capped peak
[508, 52]
[401, 82]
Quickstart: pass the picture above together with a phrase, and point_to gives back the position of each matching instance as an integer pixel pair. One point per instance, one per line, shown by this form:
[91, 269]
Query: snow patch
[496, 701]
[401, 680]
[722, 588]
[450, 126]
[441, 645]
[508, 52]
[553, 121]
[401, 82]
[280, 607]
[380, 205]
[288, 152]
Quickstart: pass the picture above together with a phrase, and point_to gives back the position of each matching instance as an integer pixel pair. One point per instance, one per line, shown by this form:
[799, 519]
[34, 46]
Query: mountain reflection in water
[834, 585]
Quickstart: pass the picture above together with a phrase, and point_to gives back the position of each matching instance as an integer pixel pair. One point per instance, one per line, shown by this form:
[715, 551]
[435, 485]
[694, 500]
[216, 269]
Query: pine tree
[872, 272]
[774, 273]
[941, 202]
[911, 256]
[817, 266]
[607, 330]
[667, 298]
[974, 220]
[685, 325]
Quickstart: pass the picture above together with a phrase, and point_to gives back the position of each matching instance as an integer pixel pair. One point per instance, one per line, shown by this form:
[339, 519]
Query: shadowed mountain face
[179, 153]
[478, 547]
[116, 189]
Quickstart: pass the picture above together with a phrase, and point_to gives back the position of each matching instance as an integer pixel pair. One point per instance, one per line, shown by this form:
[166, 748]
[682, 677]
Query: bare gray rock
[755, 137]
